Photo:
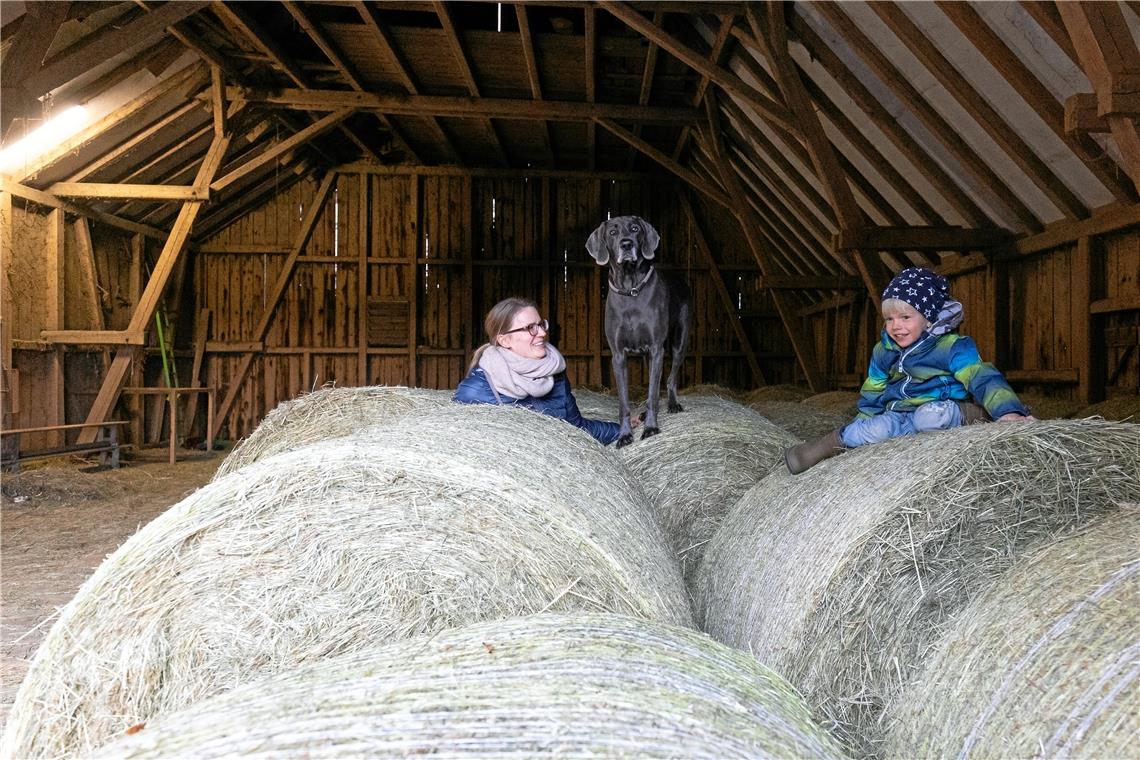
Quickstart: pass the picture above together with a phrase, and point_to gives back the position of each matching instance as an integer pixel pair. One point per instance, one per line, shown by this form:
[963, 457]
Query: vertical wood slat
[1087, 356]
[472, 336]
[9, 403]
[362, 238]
[56, 279]
[411, 285]
[598, 334]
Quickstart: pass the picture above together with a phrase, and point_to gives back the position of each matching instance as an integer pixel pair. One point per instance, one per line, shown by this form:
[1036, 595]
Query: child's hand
[1015, 417]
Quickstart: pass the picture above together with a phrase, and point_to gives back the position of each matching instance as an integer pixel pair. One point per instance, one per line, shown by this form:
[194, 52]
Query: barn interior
[210, 208]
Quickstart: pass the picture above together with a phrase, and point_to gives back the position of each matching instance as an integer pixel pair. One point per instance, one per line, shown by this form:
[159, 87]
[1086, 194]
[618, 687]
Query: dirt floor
[58, 522]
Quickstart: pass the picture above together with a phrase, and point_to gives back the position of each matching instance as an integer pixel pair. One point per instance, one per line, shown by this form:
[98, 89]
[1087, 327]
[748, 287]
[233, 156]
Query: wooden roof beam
[647, 72]
[660, 157]
[983, 114]
[885, 121]
[128, 145]
[720, 44]
[1047, 17]
[1110, 59]
[530, 56]
[371, 19]
[47, 199]
[24, 58]
[985, 178]
[182, 193]
[590, 65]
[725, 79]
[974, 28]
[921, 239]
[333, 54]
[459, 51]
[295, 140]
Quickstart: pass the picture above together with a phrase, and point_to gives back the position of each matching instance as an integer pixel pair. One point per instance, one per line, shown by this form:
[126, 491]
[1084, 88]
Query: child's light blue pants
[935, 415]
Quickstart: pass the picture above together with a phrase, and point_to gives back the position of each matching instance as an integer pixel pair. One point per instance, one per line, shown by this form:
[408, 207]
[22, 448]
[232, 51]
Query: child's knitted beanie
[923, 289]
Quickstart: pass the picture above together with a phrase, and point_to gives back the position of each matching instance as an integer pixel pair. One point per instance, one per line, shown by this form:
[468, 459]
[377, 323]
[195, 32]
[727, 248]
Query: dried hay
[712, 389]
[1049, 407]
[589, 685]
[782, 392]
[436, 520]
[840, 578]
[700, 463]
[329, 412]
[1121, 408]
[801, 420]
[1044, 664]
[56, 483]
[843, 402]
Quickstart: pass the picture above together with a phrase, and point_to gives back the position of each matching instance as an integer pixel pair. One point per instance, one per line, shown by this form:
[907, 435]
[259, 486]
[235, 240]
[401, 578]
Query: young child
[922, 375]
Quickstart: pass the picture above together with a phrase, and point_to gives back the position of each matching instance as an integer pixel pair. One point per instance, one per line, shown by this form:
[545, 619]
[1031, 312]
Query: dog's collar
[636, 288]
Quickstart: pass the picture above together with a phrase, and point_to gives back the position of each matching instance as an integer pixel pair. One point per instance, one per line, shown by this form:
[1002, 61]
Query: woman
[517, 366]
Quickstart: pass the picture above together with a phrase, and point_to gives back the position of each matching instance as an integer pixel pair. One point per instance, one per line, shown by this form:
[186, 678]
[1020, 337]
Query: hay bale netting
[1121, 408]
[329, 412]
[439, 519]
[842, 402]
[840, 578]
[700, 463]
[801, 420]
[781, 392]
[594, 685]
[1044, 664]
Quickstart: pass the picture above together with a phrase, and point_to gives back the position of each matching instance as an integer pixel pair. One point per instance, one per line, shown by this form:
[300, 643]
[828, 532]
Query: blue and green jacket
[933, 368]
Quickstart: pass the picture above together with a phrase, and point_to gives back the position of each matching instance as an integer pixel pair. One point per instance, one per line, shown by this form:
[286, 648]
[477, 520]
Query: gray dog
[645, 310]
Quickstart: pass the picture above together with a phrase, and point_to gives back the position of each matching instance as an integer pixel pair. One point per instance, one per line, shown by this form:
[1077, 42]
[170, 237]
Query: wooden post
[7, 313]
[56, 274]
[201, 334]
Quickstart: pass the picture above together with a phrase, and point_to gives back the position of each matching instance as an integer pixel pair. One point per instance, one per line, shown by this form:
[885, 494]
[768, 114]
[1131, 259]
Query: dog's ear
[651, 238]
[596, 245]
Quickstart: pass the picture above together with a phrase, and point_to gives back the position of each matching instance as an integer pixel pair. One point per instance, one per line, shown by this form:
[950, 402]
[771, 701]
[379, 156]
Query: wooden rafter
[847, 211]
[983, 114]
[722, 291]
[292, 142]
[463, 60]
[51, 201]
[720, 45]
[530, 56]
[1109, 57]
[136, 192]
[23, 60]
[172, 250]
[590, 66]
[885, 121]
[308, 224]
[747, 219]
[334, 55]
[986, 179]
[660, 157]
[725, 79]
[1040, 99]
[920, 239]
[647, 72]
[1047, 17]
[383, 36]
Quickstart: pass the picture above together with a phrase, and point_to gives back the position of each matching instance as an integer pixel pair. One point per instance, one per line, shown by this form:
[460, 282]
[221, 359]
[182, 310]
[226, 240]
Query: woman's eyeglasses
[532, 328]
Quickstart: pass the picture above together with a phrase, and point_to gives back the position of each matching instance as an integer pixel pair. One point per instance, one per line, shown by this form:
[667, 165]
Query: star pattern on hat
[922, 288]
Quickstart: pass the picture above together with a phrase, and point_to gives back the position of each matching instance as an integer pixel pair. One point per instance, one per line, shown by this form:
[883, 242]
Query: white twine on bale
[1044, 664]
[842, 577]
[561, 686]
[700, 464]
[801, 420]
[435, 520]
[329, 412]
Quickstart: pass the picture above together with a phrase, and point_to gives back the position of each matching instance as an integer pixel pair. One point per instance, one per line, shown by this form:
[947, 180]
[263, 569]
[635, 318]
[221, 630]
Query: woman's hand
[1015, 417]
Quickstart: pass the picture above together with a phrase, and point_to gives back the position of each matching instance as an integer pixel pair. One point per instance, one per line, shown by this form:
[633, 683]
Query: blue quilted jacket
[934, 367]
[560, 403]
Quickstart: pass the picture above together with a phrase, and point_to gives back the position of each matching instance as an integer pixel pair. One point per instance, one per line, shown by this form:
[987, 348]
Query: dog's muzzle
[627, 251]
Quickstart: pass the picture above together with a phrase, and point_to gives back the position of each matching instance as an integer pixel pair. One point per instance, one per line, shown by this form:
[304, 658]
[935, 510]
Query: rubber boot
[810, 453]
[972, 413]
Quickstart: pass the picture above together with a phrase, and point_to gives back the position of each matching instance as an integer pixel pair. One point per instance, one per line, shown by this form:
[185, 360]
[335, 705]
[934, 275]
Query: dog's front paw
[675, 406]
[649, 431]
[625, 440]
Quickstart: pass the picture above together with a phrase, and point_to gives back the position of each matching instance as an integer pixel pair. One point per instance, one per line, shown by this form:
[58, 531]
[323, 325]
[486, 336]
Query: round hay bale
[1120, 408]
[1049, 407]
[1044, 664]
[801, 420]
[781, 392]
[712, 389]
[597, 406]
[439, 519]
[839, 578]
[843, 402]
[582, 686]
[700, 463]
[329, 412]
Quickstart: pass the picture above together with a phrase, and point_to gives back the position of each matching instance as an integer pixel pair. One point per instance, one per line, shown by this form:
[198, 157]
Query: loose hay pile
[801, 420]
[436, 520]
[840, 578]
[700, 463]
[330, 412]
[1049, 407]
[843, 402]
[712, 389]
[1045, 664]
[782, 392]
[1121, 408]
[591, 685]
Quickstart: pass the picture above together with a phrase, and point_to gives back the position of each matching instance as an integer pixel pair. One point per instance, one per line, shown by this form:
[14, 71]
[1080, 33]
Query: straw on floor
[581, 686]
[435, 520]
[840, 578]
[328, 412]
[1045, 664]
